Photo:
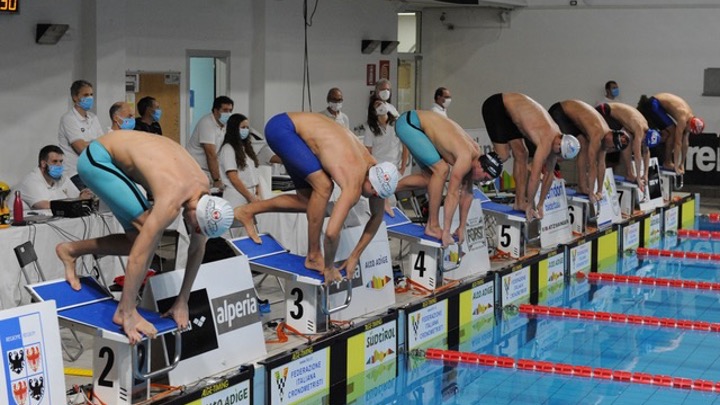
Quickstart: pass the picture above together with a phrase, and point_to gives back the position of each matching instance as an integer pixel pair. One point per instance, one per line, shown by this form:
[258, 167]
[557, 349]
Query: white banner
[223, 312]
[476, 260]
[610, 212]
[555, 227]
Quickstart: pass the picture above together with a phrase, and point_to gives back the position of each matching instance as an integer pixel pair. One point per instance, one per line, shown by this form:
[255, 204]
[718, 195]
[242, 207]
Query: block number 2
[299, 313]
[103, 381]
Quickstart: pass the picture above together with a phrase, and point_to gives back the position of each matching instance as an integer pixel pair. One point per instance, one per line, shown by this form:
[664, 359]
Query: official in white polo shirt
[79, 126]
[207, 138]
[48, 182]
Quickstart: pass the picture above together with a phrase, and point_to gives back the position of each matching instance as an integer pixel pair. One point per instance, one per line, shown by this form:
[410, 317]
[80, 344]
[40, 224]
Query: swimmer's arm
[147, 240]
[679, 148]
[639, 154]
[594, 157]
[340, 211]
[601, 171]
[547, 180]
[196, 251]
[377, 211]
[466, 197]
[646, 158]
[460, 170]
[541, 156]
[404, 159]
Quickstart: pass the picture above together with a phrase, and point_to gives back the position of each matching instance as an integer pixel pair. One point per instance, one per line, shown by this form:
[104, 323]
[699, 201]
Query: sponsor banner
[702, 164]
[515, 286]
[373, 286]
[225, 393]
[223, 311]
[610, 202]
[653, 230]
[372, 348]
[32, 364]
[607, 251]
[688, 213]
[581, 257]
[477, 302]
[551, 270]
[306, 378]
[475, 260]
[631, 236]
[555, 227]
[427, 323]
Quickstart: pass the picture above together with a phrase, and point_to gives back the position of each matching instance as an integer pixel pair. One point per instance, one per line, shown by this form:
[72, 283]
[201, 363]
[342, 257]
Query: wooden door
[165, 88]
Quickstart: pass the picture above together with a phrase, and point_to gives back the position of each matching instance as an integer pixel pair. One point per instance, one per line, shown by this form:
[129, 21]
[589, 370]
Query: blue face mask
[55, 171]
[224, 117]
[615, 92]
[128, 123]
[244, 133]
[86, 103]
[157, 114]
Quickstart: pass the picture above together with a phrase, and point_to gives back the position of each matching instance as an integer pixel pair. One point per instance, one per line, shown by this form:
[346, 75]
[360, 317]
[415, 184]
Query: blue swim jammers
[298, 159]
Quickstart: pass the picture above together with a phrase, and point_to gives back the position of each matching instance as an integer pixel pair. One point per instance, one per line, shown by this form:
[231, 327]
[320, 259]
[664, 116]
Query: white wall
[556, 54]
[264, 38]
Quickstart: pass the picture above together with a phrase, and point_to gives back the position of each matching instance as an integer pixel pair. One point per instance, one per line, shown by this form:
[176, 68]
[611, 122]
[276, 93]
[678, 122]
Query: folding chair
[26, 256]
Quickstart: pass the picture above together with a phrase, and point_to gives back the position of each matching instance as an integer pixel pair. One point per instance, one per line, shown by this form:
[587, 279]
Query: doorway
[208, 78]
[165, 88]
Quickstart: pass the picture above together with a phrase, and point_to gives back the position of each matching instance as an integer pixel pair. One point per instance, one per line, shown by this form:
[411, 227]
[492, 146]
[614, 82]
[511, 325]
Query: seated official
[150, 113]
[46, 182]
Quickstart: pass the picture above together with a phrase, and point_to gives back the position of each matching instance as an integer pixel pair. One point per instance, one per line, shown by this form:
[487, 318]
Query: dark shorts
[98, 171]
[298, 159]
[604, 110]
[500, 126]
[654, 113]
[410, 133]
[567, 126]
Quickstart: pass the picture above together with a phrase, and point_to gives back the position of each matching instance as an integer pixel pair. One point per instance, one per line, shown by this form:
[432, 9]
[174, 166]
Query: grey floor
[270, 289]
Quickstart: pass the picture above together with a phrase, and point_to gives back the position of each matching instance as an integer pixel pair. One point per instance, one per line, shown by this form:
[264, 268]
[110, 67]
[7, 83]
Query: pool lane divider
[570, 370]
[652, 281]
[614, 317]
[697, 234]
[678, 254]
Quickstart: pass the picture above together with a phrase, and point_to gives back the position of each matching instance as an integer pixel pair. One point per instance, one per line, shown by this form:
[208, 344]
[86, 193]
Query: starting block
[512, 229]
[669, 183]
[580, 210]
[120, 371]
[428, 258]
[306, 295]
[630, 195]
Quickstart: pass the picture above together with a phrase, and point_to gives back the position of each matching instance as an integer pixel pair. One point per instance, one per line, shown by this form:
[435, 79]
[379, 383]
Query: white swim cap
[384, 178]
[214, 216]
[569, 147]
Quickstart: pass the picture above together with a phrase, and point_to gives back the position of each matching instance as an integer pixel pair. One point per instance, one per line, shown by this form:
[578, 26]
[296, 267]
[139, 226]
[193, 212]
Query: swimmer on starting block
[674, 118]
[436, 143]
[596, 139]
[618, 116]
[317, 151]
[508, 118]
[110, 166]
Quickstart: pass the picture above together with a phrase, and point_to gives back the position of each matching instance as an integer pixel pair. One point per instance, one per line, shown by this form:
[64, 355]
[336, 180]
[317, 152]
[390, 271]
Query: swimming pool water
[636, 348]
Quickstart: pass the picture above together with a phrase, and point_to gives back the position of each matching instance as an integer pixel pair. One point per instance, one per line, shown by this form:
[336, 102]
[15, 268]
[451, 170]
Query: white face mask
[384, 95]
[335, 106]
[447, 102]
[381, 110]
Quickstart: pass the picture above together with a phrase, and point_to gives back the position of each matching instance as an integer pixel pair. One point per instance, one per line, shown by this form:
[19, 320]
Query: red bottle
[18, 216]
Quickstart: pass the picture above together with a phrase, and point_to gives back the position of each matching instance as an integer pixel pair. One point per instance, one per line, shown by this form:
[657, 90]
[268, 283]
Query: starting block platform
[670, 182]
[428, 258]
[306, 295]
[512, 226]
[580, 210]
[120, 371]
